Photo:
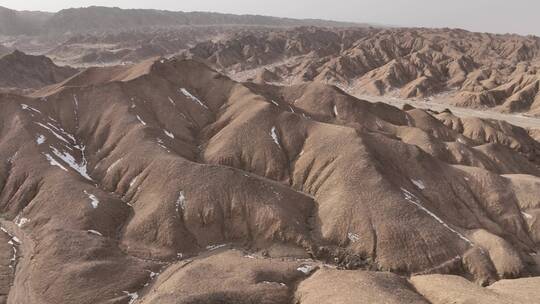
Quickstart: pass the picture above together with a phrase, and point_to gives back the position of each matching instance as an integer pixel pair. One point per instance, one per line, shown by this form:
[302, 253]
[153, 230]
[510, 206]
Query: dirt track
[439, 105]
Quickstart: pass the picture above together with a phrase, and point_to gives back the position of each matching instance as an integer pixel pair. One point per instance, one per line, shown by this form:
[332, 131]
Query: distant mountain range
[95, 18]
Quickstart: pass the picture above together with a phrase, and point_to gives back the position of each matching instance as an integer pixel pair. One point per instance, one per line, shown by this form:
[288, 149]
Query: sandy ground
[440, 104]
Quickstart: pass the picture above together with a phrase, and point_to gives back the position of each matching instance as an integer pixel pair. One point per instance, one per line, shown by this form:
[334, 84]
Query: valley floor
[442, 104]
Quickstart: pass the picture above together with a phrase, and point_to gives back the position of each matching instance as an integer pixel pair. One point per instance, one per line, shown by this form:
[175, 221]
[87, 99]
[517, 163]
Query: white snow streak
[275, 103]
[76, 109]
[415, 201]
[193, 98]
[335, 111]
[53, 161]
[93, 199]
[180, 202]
[55, 131]
[409, 123]
[14, 242]
[114, 164]
[214, 247]
[268, 282]
[29, 108]
[169, 134]
[162, 144]
[292, 110]
[95, 232]
[141, 121]
[133, 181]
[274, 136]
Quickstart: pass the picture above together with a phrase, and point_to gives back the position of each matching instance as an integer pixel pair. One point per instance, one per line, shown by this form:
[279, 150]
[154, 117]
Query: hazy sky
[503, 16]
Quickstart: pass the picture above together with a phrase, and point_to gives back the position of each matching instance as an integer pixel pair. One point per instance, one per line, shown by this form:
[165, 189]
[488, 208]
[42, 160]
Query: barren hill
[22, 71]
[21, 22]
[3, 50]
[114, 19]
[468, 69]
[168, 182]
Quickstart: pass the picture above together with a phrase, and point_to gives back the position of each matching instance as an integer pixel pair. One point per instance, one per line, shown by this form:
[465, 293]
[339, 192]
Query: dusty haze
[479, 15]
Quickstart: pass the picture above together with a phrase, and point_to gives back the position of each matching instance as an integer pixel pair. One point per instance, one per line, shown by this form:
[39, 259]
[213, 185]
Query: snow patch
[193, 98]
[12, 157]
[153, 275]
[14, 242]
[21, 221]
[72, 162]
[180, 202]
[526, 215]
[335, 111]
[418, 183]
[306, 269]
[93, 199]
[275, 103]
[40, 139]
[133, 296]
[353, 237]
